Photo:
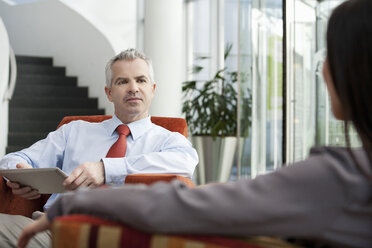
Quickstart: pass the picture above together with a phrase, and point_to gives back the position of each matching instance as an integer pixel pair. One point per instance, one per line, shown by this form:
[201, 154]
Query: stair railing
[13, 75]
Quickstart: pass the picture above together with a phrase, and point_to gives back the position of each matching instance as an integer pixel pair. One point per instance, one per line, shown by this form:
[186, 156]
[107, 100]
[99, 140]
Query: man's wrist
[115, 170]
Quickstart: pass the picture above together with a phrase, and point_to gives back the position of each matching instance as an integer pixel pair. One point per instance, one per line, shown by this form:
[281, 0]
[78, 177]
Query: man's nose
[133, 86]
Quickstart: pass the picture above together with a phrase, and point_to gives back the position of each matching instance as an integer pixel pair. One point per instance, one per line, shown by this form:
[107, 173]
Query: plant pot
[215, 158]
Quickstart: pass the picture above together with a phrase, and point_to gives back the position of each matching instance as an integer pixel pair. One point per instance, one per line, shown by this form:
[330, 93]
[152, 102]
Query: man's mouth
[133, 99]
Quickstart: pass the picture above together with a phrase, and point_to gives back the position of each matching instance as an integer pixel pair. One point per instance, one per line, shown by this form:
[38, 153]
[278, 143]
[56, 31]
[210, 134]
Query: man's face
[131, 90]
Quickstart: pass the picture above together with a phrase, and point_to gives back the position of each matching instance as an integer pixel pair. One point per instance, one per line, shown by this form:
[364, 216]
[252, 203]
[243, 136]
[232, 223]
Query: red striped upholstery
[76, 231]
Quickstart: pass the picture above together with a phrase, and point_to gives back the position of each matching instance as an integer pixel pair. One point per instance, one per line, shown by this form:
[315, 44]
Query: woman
[326, 198]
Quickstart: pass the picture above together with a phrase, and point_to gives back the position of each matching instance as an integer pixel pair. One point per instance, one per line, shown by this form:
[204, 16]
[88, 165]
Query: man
[150, 149]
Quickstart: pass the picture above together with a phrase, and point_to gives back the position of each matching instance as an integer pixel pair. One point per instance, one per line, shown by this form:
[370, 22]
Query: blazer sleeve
[278, 203]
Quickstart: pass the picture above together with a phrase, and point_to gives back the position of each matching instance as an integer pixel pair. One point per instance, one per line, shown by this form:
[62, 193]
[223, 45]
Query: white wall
[4, 79]
[116, 19]
[50, 28]
[84, 47]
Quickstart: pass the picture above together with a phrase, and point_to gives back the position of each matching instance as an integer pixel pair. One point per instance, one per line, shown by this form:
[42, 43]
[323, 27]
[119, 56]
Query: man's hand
[23, 191]
[88, 174]
[32, 229]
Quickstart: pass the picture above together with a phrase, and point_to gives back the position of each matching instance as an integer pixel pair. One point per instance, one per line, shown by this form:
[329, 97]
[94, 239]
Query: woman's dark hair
[349, 45]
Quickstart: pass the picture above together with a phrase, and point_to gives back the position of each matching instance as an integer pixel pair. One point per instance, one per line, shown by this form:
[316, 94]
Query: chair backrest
[170, 123]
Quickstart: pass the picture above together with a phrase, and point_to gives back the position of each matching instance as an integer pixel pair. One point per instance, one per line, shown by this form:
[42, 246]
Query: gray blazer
[324, 197]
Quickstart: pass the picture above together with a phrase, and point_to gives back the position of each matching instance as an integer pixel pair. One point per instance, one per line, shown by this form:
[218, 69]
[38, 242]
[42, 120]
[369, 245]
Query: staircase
[42, 97]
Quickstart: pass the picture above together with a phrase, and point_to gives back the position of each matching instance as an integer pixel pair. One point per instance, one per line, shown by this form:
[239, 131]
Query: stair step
[50, 90]
[40, 69]
[49, 114]
[41, 126]
[53, 102]
[42, 97]
[10, 149]
[23, 59]
[46, 79]
[24, 139]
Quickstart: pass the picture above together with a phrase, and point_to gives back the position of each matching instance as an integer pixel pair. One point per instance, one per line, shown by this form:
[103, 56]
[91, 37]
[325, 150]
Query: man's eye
[122, 82]
[142, 80]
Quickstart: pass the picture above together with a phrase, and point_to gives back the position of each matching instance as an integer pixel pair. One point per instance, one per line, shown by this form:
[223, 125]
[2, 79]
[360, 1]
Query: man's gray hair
[129, 54]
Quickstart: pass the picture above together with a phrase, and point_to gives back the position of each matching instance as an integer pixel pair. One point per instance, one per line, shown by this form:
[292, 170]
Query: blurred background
[265, 57]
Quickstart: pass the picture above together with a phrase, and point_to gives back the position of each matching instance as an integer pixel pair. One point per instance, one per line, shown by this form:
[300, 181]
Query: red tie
[119, 148]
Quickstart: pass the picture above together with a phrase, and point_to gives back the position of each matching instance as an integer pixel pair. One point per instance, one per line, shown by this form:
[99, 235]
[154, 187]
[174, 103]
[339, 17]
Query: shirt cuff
[11, 162]
[115, 170]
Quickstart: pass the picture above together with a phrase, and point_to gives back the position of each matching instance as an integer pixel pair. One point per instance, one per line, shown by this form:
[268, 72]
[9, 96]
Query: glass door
[301, 88]
[261, 67]
[309, 118]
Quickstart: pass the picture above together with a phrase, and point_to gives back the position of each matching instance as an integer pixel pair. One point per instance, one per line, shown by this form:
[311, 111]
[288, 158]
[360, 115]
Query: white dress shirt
[150, 149]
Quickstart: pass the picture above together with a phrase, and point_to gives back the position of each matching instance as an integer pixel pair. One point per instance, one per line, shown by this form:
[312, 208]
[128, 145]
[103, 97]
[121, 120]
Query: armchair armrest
[152, 178]
[82, 231]
[12, 204]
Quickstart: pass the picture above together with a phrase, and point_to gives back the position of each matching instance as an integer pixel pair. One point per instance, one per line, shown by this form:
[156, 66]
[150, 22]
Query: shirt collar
[112, 124]
[137, 128]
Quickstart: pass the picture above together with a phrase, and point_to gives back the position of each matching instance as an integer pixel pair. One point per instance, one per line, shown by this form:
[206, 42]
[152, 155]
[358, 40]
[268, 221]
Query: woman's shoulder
[342, 156]
[339, 162]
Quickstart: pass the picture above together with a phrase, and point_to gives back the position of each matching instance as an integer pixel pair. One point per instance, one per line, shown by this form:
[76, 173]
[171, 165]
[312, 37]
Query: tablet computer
[46, 180]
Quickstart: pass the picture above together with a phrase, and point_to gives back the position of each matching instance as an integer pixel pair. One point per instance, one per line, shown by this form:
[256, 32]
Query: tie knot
[123, 130]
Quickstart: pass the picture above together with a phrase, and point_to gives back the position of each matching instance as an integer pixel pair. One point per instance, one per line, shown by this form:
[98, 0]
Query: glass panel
[200, 25]
[256, 36]
[303, 81]
[310, 119]
[245, 60]
[198, 37]
[261, 41]
[140, 25]
[231, 33]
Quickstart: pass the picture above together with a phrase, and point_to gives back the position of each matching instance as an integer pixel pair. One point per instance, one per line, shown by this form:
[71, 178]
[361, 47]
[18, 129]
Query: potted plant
[210, 107]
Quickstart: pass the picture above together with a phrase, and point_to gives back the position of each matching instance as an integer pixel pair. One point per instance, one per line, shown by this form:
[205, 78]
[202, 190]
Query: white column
[164, 44]
[4, 81]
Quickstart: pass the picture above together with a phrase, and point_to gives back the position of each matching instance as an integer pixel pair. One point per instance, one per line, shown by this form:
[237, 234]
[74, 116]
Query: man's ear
[153, 87]
[108, 93]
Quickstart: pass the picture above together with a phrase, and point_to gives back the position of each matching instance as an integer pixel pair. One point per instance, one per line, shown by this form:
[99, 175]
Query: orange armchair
[11, 204]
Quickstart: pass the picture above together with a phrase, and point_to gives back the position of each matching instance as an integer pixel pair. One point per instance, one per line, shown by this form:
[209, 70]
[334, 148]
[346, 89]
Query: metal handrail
[12, 77]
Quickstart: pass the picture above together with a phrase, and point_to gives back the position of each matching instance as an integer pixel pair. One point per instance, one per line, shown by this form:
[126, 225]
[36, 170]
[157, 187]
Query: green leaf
[202, 57]
[196, 69]
[210, 106]
[228, 48]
